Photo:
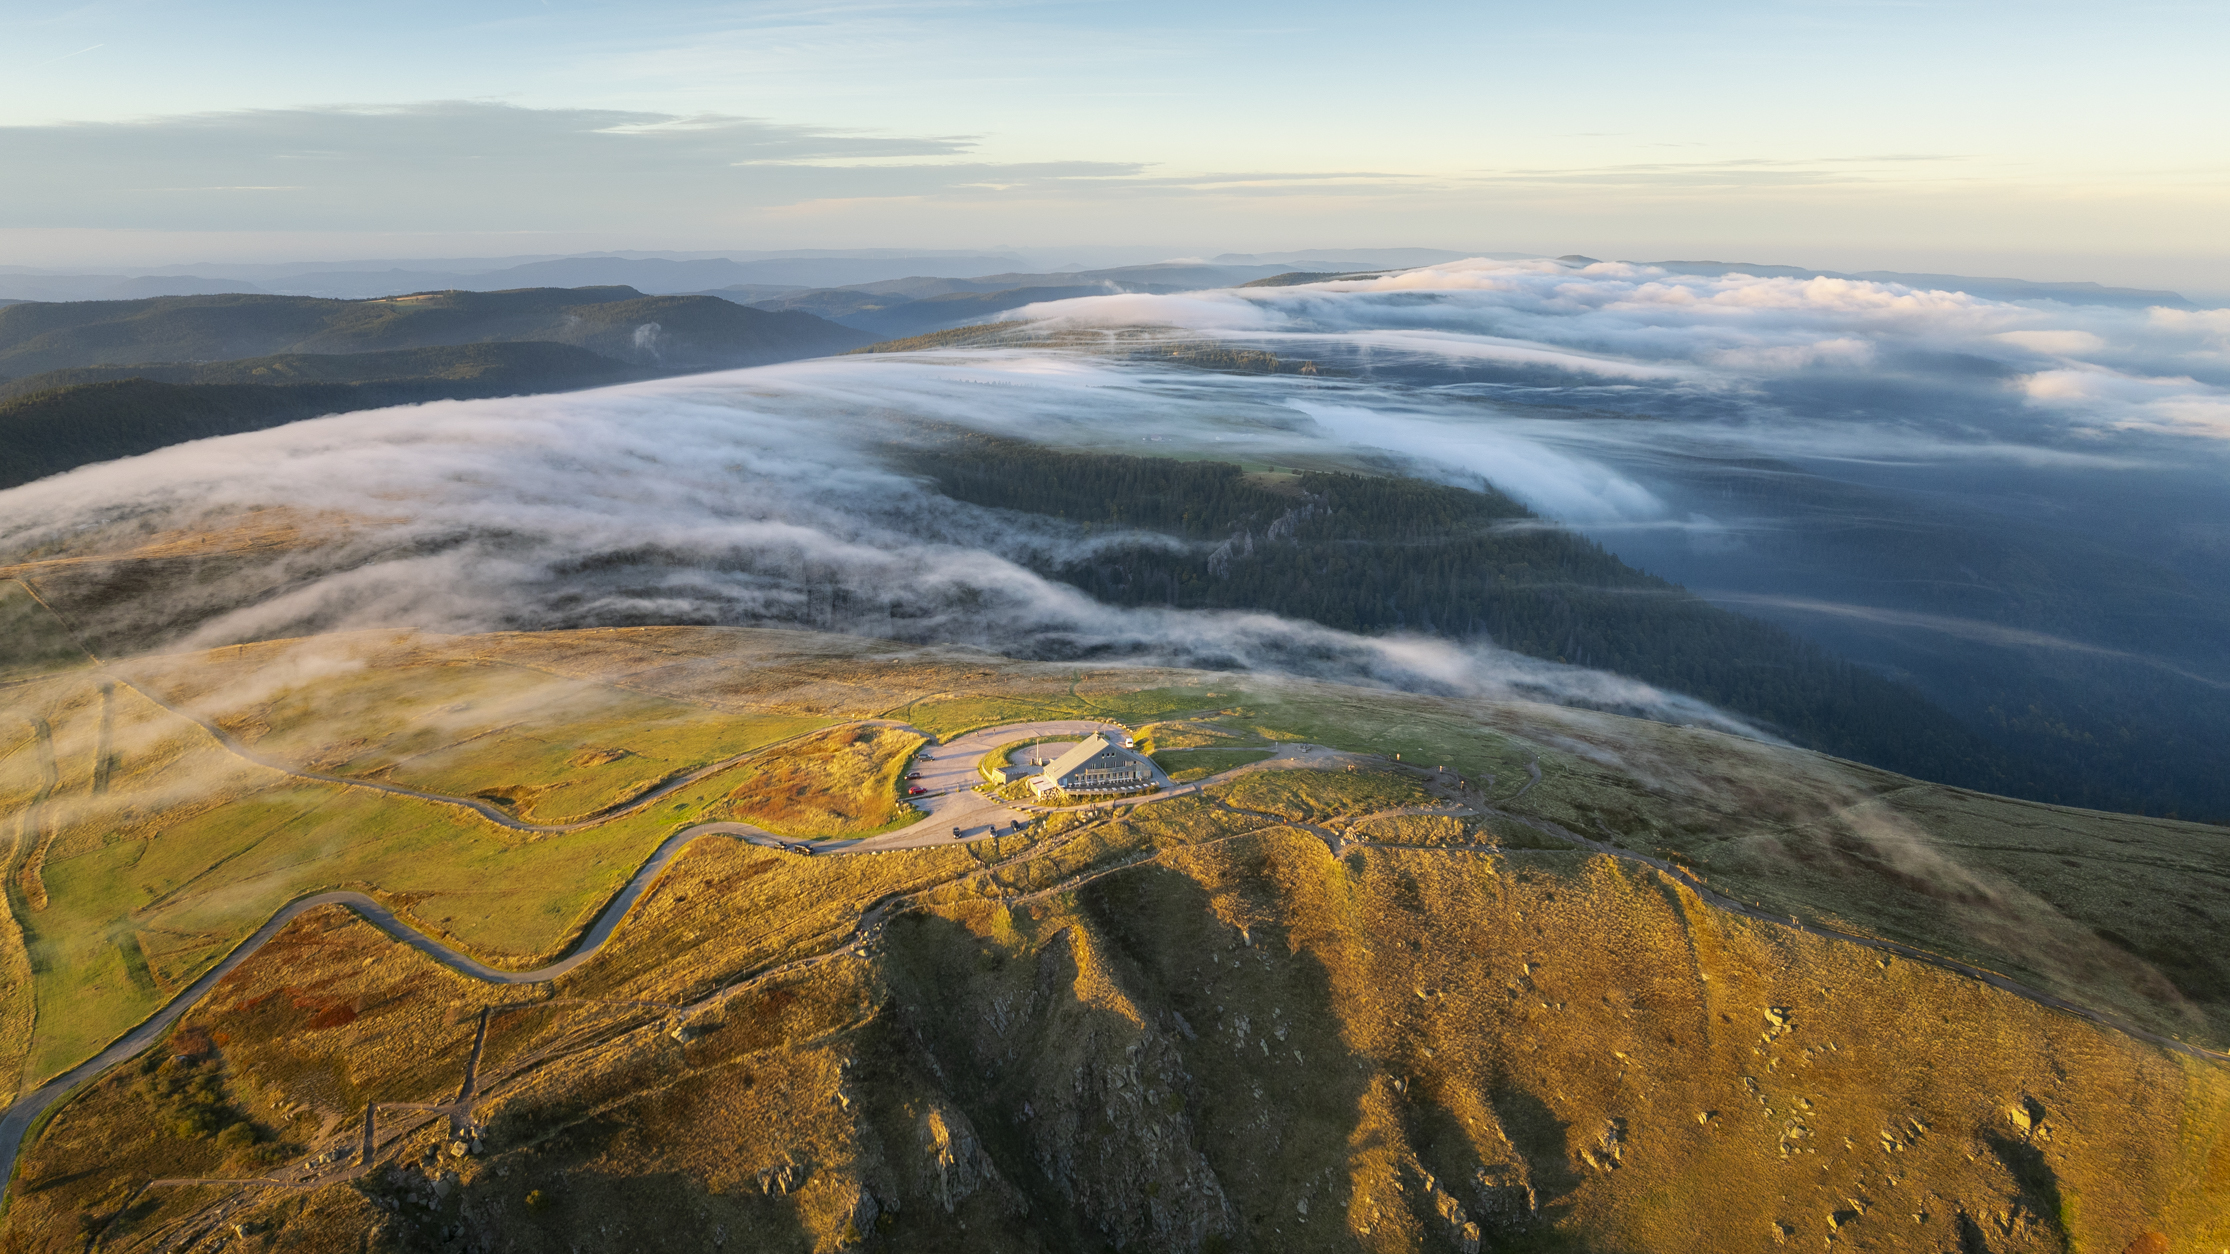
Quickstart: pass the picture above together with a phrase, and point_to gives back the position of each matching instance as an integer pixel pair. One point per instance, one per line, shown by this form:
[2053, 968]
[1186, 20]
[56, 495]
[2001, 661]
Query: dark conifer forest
[1377, 555]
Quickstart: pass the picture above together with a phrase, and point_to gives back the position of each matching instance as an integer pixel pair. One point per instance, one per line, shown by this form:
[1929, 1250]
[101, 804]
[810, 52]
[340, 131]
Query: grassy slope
[35, 643]
[141, 885]
[2101, 907]
[843, 781]
[143, 879]
[2020, 887]
[1187, 765]
[1240, 1044]
[145, 883]
[546, 748]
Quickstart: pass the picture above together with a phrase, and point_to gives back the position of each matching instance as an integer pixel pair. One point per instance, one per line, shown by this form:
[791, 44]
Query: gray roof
[1085, 750]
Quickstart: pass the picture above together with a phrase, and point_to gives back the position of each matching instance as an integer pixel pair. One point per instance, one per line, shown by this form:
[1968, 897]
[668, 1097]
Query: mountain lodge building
[1095, 765]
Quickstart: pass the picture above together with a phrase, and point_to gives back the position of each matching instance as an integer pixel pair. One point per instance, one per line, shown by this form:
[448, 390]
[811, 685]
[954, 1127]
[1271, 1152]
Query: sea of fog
[1970, 493]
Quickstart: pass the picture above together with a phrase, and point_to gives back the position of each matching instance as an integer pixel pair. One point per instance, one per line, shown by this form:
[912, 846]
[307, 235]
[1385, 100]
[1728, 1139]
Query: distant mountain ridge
[671, 333]
[1988, 288]
[923, 304]
[756, 276]
[105, 379]
[63, 419]
[658, 275]
[519, 365]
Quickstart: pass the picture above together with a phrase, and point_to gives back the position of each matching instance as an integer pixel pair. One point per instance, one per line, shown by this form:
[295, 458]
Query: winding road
[948, 773]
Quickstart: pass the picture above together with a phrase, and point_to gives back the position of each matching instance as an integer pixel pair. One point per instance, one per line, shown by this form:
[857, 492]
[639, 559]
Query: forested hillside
[63, 419]
[512, 367]
[49, 432]
[667, 332]
[1378, 555]
[97, 380]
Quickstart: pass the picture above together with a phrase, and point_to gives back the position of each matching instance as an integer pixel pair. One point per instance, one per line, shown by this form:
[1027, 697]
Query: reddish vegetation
[333, 1016]
[842, 780]
[322, 1011]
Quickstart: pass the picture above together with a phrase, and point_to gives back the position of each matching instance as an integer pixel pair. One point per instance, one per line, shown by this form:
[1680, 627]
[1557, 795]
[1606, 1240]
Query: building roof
[1084, 751]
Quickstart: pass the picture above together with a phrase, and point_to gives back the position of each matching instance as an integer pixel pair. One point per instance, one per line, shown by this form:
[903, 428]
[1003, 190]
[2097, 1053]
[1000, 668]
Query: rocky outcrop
[1109, 1131]
[951, 1162]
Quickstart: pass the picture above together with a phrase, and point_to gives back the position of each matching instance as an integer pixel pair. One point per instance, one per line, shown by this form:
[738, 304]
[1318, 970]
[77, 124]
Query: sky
[2044, 140]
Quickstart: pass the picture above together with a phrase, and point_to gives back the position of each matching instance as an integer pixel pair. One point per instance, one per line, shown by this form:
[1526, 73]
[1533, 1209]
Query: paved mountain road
[949, 771]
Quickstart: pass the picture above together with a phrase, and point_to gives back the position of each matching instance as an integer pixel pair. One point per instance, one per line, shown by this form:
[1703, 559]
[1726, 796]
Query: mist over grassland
[2010, 504]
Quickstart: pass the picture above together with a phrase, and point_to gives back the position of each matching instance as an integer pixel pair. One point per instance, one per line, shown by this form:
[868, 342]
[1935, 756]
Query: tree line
[1381, 554]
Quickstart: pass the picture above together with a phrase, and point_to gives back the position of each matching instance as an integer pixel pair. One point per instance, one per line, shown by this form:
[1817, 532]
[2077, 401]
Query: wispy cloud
[1728, 172]
[64, 57]
[471, 165]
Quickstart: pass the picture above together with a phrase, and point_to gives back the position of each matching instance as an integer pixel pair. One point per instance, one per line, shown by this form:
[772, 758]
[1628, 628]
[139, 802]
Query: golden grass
[1305, 795]
[18, 1001]
[2112, 910]
[263, 530]
[549, 749]
[145, 870]
[1242, 1039]
[1190, 734]
[1187, 765]
[1131, 697]
[839, 782]
[1396, 1037]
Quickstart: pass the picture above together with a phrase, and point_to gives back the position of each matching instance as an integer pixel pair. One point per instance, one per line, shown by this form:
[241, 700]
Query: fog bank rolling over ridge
[1921, 458]
[748, 497]
[1946, 487]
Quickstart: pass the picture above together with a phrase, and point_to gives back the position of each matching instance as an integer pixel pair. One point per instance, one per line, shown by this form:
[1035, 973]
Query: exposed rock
[1111, 1130]
[783, 1177]
[954, 1164]
[2025, 1115]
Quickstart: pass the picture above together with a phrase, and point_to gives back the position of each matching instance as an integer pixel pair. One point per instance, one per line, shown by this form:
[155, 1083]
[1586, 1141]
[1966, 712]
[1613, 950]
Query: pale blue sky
[2054, 140]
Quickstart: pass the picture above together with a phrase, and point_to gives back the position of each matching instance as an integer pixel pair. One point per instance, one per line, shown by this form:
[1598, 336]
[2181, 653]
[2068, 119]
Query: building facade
[1095, 765]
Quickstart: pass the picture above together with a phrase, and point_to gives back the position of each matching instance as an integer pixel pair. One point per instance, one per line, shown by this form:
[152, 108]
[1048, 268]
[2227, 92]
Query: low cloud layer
[757, 496]
[1720, 343]
[751, 497]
